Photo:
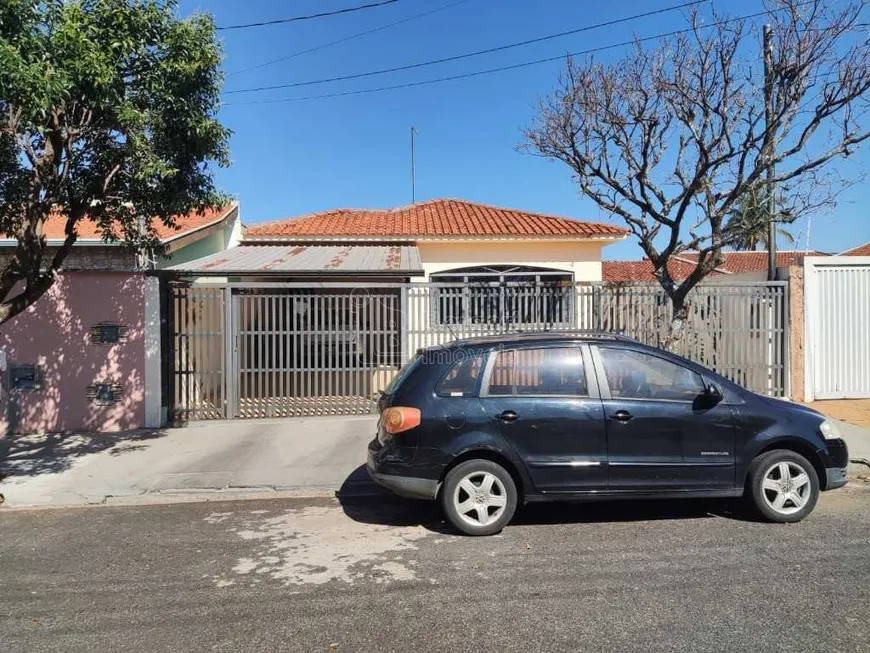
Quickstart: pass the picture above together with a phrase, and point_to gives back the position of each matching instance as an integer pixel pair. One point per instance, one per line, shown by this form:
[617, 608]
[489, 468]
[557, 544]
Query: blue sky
[295, 157]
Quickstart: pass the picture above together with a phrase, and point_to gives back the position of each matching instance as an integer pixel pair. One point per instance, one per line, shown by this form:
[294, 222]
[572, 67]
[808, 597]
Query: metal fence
[313, 352]
[198, 353]
[274, 350]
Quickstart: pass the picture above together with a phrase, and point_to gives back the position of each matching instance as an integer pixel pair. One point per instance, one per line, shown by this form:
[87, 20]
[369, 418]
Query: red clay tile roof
[643, 270]
[861, 250]
[87, 229]
[432, 219]
[681, 267]
[740, 262]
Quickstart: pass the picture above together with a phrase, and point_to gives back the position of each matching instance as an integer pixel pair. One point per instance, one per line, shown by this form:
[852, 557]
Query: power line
[488, 71]
[469, 54]
[348, 38]
[324, 14]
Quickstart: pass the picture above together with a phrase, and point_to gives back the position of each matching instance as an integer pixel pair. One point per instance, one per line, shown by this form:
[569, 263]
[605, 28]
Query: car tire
[778, 501]
[479, 497]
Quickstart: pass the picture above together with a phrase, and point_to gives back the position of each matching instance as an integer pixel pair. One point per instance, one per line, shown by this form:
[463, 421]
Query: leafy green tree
[107, 110]
[748, 224]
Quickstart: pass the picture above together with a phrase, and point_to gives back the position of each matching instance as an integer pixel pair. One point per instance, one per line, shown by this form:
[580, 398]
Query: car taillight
[400, 418]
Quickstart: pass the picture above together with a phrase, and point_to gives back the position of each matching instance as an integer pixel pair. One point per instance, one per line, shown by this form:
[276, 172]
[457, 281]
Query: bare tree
[670, 139]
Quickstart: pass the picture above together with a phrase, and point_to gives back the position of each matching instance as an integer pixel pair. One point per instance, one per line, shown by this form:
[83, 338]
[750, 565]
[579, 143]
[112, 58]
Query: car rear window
[461, 380]
[402, 374]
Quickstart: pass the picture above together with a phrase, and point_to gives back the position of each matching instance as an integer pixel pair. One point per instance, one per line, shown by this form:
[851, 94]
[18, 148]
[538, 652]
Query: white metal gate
[312, 351]
[837, 313]
[287, 349]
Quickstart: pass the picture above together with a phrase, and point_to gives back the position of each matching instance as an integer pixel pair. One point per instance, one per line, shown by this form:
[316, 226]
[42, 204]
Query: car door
[662, 431]
[544, 402]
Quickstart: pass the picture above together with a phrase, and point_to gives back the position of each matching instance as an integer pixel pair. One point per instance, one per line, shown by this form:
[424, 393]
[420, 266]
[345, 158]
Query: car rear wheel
[784, 486]
[479, 497]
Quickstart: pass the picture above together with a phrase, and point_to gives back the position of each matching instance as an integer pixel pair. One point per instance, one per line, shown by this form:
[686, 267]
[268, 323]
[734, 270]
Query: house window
[108, 333]
[25, 377]
[105, 394]
[502, 295]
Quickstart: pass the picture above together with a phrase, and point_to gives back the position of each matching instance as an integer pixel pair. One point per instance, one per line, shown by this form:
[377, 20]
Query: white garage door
[838, 327]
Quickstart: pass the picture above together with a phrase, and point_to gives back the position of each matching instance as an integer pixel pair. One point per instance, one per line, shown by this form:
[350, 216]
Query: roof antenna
[414, 132]
[450, 329]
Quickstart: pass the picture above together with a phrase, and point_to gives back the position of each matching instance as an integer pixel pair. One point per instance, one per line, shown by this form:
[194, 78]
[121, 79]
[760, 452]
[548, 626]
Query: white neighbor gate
[837, 336]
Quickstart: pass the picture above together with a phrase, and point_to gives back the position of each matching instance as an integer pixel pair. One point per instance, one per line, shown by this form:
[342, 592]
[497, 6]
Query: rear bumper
[388, 469]
[406, 486]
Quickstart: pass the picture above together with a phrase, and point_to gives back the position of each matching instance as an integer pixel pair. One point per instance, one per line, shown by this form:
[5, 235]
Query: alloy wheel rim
[480, 498]
[786, 487]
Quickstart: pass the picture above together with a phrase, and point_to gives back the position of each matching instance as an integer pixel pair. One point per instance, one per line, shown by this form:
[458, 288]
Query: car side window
[461, 380]
[545, 371]
[635, 375]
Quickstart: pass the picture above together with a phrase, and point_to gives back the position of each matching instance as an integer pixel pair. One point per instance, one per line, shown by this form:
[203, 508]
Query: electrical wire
[501, 68]
[279, 21]
[467, 55]
[347, 38]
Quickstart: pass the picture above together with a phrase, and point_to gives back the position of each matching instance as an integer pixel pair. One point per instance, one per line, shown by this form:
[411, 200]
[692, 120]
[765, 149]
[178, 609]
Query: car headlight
[829, 430]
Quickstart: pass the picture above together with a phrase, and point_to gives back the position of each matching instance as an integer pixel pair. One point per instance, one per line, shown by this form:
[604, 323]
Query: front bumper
[835, 457]
[836, 477]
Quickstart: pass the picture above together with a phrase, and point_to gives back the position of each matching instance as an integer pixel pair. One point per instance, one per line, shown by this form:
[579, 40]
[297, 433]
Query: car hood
[798, 411]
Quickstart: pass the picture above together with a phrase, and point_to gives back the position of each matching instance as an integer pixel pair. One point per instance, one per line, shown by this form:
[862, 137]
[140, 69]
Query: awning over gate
[380, 260]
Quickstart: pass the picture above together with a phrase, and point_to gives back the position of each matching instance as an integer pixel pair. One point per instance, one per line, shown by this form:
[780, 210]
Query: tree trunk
[677, 327]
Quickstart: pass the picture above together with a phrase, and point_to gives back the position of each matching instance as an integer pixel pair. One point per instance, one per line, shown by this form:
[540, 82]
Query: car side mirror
[713, 394]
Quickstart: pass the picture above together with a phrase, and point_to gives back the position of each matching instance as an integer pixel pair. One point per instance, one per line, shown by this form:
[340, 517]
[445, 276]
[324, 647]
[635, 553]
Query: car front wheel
[784, 486]
[479, 497]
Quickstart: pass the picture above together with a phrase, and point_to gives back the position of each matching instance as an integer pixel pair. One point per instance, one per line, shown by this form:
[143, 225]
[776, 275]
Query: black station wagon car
[484, 424]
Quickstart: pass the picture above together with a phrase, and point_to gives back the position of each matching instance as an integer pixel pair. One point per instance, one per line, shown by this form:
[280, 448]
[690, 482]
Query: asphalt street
[383, 574]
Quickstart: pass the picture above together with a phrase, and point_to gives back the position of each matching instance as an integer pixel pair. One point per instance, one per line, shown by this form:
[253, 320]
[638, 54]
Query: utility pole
[768, 119]
[413, 176]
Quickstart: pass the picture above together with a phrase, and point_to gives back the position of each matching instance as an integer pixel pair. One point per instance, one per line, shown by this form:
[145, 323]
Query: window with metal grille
[503, 294]
[25, 377]
[105, 394]
[108, 333]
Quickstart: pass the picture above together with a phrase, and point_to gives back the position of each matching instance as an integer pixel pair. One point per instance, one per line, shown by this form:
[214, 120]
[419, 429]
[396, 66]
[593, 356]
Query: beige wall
[796, 334]
[581, 258]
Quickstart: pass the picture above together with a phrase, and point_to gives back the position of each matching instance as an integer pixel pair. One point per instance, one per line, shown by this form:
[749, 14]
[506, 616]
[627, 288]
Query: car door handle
[508, 416]
[621, 416]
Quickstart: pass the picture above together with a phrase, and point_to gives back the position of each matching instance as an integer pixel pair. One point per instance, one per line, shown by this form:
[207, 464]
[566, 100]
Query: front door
[542, 402]
[662, 432]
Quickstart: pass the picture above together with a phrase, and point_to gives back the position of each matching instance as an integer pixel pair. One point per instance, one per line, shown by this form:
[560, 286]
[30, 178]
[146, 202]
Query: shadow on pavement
[359, 484]
[34, 455]
[363, 501]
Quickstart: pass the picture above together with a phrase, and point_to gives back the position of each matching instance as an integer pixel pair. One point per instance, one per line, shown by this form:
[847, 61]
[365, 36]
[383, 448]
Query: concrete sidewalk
[858, 439]
[216, 460]
[312, 457]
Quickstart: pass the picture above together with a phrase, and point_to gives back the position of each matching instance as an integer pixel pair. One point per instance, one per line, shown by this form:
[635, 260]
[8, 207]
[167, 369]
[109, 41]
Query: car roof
[534, 336]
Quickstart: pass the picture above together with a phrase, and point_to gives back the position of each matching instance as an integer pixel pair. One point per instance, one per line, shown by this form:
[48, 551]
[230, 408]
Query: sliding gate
[282, 351]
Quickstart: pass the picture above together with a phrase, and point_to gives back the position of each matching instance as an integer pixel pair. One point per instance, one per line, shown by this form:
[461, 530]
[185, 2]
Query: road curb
[349, 491]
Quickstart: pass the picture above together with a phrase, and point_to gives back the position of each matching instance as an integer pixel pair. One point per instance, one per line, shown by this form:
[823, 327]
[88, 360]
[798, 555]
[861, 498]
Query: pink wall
[55, 334]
